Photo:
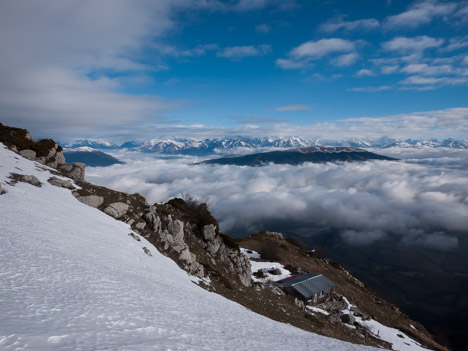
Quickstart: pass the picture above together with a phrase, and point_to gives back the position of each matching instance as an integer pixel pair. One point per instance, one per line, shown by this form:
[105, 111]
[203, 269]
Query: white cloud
[414, 44]
[389, 69]
[290, 63]
[345, 60]
[170, 50]
[364, 73]
[457, 43]
[432, 81]
[416, 203]
[290, 108]
[239, 52]
[320, 48]
[263, 28]
[336, 24]
[446, 123]
[418, 14]
[371, 89]
[427, 70]
[302, 55]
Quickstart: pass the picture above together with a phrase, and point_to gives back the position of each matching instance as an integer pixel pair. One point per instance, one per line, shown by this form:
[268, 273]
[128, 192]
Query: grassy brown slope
[294, 255]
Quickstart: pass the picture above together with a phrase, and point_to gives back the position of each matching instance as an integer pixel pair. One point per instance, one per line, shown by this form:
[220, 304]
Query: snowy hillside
[73, 279]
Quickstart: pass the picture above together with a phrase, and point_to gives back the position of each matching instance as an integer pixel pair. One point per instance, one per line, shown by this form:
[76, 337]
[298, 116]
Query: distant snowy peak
[209, 146]
[188, 146]
[95, 144]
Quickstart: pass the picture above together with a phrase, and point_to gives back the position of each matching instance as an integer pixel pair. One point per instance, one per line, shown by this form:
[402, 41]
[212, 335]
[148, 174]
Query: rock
[28, 136]
[90, 200]
[134, 236]
[28, 154]
[209, 232]
[117, 209]
[30, 179]
[140, 225]
[148, 252]
[187, 256]
[275, 271]
[1, 189]
[347, 318]
[299, 303]
[356, 311]
[276, 235]
[61, 183]
[176, 229]
[75, 170]
[334, 318]
[152, 219]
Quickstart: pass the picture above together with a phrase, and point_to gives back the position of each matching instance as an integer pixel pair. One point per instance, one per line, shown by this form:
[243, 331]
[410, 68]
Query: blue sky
[142, 69]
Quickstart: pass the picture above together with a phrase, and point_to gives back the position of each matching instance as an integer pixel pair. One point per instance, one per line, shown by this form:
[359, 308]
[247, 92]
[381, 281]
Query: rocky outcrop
[198, 247]
[75, 171]
[90, 200]
[116, 209]
[45, 151]
[60, 183]
[28, 154]
[22, 178]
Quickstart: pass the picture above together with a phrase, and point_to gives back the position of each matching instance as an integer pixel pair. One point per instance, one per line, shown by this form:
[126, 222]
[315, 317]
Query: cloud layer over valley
[421, 200]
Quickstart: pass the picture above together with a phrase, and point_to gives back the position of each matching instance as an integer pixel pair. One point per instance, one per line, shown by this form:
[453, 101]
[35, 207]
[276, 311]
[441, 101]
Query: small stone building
[311, 288]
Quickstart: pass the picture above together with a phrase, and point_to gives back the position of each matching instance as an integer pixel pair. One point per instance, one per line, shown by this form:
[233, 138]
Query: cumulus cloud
[289, 108]
[415, 44]
[302, 55]
[263, 28]
[419, 13]
[416, 203]
[446, 123]
[371, 89]
[239, 52]
[345, 60]
[364, 73]
[336, 24]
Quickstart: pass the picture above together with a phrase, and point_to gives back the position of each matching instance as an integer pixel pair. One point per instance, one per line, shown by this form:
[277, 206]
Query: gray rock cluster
[30, 179]
[60, 183]
[90, 200]
[173, 232]
[75, 170]
[116, 209]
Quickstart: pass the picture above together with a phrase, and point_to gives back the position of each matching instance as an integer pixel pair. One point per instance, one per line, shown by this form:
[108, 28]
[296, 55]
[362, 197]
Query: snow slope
[71, 278]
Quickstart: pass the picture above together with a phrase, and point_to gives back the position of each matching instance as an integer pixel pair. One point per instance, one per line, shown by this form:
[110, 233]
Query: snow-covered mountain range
[187, 146]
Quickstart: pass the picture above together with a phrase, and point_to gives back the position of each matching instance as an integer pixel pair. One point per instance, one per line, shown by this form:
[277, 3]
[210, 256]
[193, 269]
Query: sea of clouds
[419, 200]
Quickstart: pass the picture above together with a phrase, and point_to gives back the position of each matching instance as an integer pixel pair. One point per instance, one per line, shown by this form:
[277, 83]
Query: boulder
[28, 154]
[209, 232]
[299, 303]
[90, 200]
[60, 183]
[134, 236]
[117, 209]
[75, 170]
[152, 219]
[275, 271]
[30, 179]
[347, 318]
